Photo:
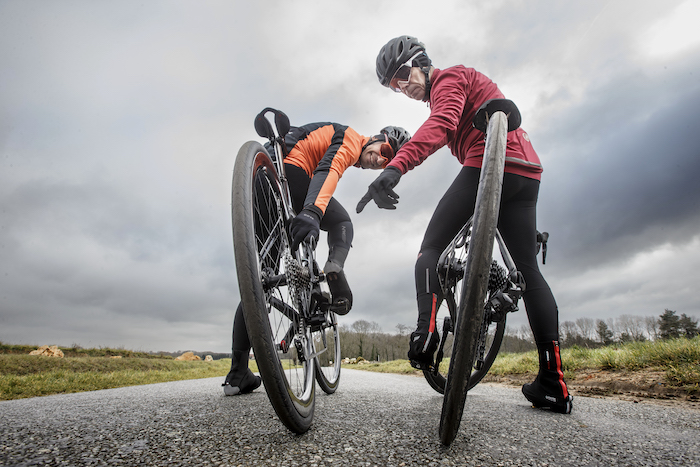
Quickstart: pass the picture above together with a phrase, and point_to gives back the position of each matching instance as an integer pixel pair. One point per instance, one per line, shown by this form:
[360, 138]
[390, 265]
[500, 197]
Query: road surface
[373, 419]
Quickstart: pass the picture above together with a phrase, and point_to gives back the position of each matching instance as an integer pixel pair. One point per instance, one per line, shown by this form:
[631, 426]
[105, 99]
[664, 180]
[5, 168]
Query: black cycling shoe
[240, 380]
[340, 292]
[540, 398]
[248, 383]
[422, 348]
[549, 390]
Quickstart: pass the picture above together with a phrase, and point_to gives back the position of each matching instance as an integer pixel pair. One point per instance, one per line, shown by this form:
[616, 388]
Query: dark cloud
[622, 167]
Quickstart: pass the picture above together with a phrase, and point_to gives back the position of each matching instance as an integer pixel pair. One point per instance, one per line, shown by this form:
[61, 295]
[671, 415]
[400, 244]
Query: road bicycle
[478, 290]
[505, 287]
[285, 297]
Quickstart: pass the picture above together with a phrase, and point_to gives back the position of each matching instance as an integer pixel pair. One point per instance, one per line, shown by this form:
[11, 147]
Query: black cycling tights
[517, 224]
[336, 222]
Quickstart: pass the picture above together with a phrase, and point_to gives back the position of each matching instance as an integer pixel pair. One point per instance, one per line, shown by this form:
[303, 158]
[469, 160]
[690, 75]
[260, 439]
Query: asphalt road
[373, 419]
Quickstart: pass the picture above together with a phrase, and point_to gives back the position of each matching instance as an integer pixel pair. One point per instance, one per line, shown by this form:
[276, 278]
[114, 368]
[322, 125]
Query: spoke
[285, 309]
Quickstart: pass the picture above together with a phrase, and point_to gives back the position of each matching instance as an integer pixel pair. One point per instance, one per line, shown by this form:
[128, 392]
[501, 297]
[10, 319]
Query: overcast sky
[120, 123]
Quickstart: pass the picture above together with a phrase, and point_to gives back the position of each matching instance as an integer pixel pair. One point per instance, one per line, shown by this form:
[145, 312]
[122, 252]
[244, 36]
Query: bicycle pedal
[341, 306]
[422, 366]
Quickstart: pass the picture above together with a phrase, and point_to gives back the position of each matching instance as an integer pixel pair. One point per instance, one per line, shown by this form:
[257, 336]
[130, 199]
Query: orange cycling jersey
[324, 151]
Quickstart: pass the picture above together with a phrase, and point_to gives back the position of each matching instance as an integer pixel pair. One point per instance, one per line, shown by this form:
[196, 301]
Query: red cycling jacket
[455, 96]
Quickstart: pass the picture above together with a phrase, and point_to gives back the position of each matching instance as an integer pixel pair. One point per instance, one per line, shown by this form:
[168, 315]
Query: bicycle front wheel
[272, 288]
[475, 284]
[326, 339]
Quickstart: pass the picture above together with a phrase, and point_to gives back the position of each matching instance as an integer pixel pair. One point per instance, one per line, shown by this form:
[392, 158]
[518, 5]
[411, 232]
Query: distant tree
[403, 330]
[669, 325]
[365, 327]
[366, 339]
[517, 341]
[568, 331]
[605, 335]
[688, 326]
[362, 329]
[571, 334]
[632, 327]
[625, 337]
[651, 325]
[526, 333]
[586, 327]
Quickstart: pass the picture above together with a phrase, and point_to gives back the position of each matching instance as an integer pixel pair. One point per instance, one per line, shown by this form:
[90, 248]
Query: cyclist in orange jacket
[317, 156]
[454, 95]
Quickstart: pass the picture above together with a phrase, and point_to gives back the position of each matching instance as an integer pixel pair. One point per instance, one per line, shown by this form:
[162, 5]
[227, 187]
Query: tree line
[366, 339]
[587, 332]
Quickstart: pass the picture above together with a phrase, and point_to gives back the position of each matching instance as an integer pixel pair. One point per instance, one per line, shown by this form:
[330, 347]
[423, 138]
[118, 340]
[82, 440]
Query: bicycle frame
[278, 162]
[460, 241]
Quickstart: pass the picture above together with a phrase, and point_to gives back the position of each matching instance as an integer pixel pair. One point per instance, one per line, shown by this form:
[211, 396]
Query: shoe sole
[540, 404]
[231, 390]
[341, 307]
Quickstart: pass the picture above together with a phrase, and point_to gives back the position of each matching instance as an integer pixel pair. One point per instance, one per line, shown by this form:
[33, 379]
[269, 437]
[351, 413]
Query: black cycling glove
[381, 190]
[305, 225]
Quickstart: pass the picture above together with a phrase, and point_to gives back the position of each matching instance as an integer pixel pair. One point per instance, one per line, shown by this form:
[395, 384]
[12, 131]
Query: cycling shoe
[248, 383]
[535, 393]
[549, 390]
[422, 348]
[340, 292]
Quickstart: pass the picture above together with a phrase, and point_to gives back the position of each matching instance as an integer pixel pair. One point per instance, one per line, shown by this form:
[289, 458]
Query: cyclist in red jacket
[454, 95]
[317, 156]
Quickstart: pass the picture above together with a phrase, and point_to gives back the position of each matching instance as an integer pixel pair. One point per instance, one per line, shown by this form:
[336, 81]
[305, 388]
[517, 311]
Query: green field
[679, 359]
[23, 375]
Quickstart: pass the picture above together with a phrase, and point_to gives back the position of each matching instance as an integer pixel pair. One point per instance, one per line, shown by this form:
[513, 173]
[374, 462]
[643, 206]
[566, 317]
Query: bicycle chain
[498, 279]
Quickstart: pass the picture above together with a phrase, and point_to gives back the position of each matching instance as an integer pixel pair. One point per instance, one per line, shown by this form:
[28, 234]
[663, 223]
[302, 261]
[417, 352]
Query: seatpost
[278, 161]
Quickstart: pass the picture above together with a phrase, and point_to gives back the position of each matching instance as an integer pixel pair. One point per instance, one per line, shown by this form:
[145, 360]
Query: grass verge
[23, 375]
[678, 359]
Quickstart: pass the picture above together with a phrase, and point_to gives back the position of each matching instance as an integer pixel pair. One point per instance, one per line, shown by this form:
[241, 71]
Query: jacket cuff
[314, 209]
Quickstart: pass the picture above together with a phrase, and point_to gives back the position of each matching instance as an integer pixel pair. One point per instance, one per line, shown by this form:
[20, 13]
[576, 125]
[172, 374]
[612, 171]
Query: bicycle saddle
[488, 108]
[264, 128]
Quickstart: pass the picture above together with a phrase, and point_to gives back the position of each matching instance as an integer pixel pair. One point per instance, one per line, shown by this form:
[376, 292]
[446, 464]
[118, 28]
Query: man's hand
[305, 225]
[381, 190]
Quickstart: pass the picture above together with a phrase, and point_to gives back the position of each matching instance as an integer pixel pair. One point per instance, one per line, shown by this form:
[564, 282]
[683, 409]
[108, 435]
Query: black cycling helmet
[397, 136]
[396, 53]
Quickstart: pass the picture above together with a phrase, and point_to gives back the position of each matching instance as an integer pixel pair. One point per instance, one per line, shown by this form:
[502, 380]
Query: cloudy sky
[120, 123]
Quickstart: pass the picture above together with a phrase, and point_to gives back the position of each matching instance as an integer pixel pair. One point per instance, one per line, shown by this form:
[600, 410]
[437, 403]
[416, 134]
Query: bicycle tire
[262, 255]
[328, 361]
[475, 283]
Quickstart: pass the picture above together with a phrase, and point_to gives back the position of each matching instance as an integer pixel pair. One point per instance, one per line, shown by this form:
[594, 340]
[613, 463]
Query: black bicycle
[285, 297]
[477, 290]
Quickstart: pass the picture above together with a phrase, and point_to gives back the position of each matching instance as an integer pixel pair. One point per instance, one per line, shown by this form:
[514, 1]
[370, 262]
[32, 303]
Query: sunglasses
[386, 151]
[402, 75]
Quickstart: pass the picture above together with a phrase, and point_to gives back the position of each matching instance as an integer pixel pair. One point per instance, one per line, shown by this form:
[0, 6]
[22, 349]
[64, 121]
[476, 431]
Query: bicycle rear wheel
[475, 283]
[326, 339]
[451, 272]
[272, 288]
